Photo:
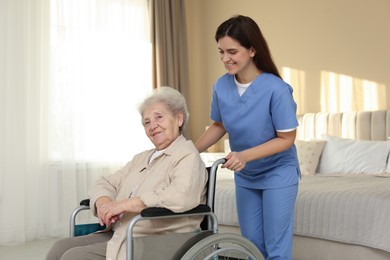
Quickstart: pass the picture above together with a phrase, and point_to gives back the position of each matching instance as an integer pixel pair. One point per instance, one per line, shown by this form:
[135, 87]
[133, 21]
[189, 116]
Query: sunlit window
[101, 69]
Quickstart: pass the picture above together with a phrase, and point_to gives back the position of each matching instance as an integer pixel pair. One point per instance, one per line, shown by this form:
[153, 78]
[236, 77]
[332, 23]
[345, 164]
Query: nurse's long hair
[246, 31]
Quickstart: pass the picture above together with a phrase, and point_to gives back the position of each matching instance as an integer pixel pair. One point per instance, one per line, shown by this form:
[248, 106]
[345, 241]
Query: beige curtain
[169, 43]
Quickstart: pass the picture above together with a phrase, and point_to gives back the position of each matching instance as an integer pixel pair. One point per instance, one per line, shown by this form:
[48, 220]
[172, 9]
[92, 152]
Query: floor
[33, 250]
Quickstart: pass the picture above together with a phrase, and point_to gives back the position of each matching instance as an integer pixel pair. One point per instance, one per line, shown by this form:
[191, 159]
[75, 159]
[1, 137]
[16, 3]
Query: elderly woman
[172, 176]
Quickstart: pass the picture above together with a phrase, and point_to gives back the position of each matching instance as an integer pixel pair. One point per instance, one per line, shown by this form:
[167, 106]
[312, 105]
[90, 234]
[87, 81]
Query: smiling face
[236, 58]
[161, 126]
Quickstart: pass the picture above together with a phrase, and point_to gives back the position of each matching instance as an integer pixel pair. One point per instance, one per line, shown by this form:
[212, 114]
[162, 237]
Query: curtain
[72, 74]
[169, 39]
[23, 85]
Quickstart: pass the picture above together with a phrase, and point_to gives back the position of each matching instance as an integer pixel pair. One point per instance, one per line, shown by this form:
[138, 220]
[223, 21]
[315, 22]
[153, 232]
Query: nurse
[256, 108]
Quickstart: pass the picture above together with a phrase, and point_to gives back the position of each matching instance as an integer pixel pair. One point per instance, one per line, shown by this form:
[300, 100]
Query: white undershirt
[155, 155]
[241, 87]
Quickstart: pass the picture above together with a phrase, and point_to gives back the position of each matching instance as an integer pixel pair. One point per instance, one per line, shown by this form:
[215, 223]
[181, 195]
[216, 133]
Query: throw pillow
[309, 153]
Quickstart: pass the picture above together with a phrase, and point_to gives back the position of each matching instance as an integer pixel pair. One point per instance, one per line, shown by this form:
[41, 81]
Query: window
[100, 56]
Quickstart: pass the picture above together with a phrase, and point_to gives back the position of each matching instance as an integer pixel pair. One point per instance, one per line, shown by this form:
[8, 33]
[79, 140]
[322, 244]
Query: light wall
[350, 37]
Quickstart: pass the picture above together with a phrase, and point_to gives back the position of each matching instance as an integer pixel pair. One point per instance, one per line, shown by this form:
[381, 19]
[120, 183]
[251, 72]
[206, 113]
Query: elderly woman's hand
[103, 209]
[109, 211]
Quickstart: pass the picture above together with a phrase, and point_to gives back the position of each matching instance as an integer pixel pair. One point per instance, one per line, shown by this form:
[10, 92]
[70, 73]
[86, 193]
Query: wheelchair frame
[210, 241]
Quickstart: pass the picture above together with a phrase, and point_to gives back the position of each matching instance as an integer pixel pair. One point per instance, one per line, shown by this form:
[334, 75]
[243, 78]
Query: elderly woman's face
[160, 125]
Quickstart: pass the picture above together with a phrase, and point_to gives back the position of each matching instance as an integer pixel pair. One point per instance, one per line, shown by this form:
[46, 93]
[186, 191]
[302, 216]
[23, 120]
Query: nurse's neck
[247, 76]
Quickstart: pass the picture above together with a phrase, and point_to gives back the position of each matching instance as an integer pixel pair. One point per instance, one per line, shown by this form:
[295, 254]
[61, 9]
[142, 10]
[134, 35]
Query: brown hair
[246, 31]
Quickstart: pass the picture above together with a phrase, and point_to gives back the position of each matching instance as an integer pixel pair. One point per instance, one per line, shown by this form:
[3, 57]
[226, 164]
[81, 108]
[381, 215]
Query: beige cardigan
[176, 180]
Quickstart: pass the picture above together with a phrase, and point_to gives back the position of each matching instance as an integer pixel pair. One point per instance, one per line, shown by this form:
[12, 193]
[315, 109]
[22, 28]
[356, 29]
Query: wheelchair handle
[212, 180]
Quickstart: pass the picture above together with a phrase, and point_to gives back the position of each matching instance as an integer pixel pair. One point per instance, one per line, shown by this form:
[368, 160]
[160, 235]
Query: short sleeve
[283, 108]
[215, 113]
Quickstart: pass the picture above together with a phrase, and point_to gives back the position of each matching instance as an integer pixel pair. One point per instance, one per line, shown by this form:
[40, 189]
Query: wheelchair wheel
[223, 246]
[190, 242]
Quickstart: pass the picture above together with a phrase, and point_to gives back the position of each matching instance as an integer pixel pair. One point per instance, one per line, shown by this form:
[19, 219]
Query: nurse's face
[234, 56]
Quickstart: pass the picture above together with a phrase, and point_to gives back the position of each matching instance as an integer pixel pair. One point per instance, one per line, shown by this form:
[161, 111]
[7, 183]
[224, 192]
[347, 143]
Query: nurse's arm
[212, 135]
[236, 161]
[282, 142]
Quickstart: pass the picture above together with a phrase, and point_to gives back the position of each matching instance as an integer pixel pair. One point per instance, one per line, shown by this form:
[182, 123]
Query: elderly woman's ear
[180, 118]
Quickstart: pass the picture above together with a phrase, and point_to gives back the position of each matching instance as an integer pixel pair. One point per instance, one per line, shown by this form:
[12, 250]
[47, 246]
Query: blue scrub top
[252, 119]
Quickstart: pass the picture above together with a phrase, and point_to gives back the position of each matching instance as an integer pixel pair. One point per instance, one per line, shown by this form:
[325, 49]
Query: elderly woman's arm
[109, 211]
[188, 182]
[106, 189]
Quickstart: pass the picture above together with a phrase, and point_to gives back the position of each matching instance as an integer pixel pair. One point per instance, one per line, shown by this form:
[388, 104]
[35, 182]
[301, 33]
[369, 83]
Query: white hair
[172, 98]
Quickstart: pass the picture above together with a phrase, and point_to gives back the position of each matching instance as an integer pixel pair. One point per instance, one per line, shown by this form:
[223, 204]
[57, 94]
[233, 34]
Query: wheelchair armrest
[158, 212]
[84, 205]
[84, 202]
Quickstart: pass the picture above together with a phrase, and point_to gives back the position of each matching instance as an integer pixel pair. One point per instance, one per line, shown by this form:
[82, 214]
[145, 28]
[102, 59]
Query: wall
[350, 37]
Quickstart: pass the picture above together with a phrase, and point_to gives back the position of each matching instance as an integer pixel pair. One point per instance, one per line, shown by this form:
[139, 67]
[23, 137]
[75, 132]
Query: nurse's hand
[235, 161]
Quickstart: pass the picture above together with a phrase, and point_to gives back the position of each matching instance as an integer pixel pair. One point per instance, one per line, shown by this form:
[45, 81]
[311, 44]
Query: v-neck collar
[252, 88]
[241, 87]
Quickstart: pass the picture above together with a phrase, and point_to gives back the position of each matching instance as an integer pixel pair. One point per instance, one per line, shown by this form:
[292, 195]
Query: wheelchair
[206, 244]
